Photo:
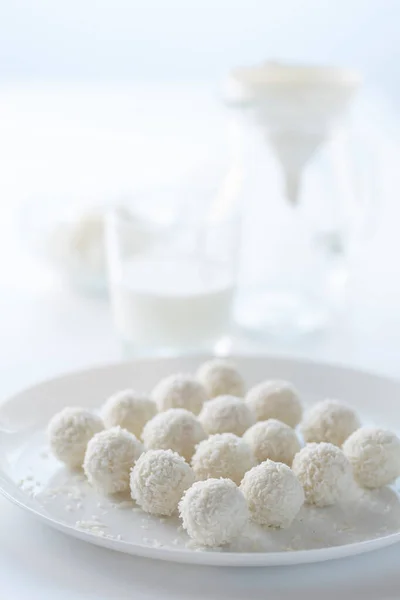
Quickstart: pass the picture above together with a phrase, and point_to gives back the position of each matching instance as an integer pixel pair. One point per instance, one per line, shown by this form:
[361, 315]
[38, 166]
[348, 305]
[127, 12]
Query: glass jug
[300, 194]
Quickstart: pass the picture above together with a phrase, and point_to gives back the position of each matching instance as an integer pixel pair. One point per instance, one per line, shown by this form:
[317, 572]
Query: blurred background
[123, 113]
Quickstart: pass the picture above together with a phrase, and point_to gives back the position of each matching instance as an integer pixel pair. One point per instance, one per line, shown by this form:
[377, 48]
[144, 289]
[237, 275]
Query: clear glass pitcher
[301, 194]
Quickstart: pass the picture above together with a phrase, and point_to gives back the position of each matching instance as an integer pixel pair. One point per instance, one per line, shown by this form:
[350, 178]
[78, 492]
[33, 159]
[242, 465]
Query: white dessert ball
[274, 440]
[220, 377]
[374, 455]
[213, 512]
[158, 480]
[109, 458]
[69, 432]
[226, 414]
[275, 400]
[222, 455]
[128, 409]
[179, 391]
[329, 421]
[324, 472]
[175, 429]
[273, 494]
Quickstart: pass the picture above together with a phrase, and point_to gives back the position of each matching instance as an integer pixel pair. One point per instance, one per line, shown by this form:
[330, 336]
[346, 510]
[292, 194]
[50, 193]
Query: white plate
[34, 480]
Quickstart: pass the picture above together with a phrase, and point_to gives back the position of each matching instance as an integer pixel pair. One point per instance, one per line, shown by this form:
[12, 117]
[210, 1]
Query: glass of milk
[171, 281]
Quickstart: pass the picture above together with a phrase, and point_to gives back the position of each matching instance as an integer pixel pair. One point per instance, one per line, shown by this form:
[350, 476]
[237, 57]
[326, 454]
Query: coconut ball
[273, 494]
[226, 414]
[179, 391]
[220, 377]
[274, 440]
[275, 400]
[324, 472]
[222, 455]
[213, 511]
[158, 480]
[109, 458]
[374, 455]
[69, 432]
[329, 421]
[129, 410]
[176, 429]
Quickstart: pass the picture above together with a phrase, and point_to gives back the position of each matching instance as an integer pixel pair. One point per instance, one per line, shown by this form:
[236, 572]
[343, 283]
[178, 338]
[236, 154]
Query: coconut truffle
[213, 512]
[324, 472]
[179, 391]
[329, 421]
[374, 455]
[69, 432]
[109, 458]
[275, 400]
[176, 429]
[274, 440]
[129, 410]
[158, 480]
[220, 378]
[222, 455]
[273, 494]
[226, 414]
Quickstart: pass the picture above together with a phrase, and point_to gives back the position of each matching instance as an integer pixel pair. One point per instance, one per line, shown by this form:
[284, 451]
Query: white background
[193, 39]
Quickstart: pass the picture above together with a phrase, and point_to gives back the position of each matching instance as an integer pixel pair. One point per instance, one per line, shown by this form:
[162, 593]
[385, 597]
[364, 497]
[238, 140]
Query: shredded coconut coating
[69, 432]
[274, 440]
[273, 493]
[222, 455]
[324, 472]
[158, 480]
[128, 409]
[175, 429]
[275, 400]
[179, 391]
[374, 455]
[213, 512]
[220, 378]
[109, 457]
[226, 414]
[329, 421]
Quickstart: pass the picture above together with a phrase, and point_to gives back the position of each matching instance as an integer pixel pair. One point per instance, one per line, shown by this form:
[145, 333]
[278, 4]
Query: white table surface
[38, 563]
[68, 332]
[46, 330]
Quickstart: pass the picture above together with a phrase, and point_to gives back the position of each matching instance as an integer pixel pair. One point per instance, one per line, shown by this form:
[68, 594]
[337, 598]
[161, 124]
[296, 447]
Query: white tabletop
[67, 332]
[38, 563]
[46, 330]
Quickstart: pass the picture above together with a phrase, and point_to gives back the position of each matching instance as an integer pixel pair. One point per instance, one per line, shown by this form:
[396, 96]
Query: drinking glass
[171, 282]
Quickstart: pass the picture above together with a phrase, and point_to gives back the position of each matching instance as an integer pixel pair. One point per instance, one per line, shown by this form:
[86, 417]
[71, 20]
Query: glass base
[279, 314]
[220, 347]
